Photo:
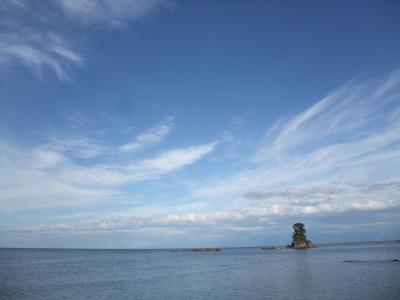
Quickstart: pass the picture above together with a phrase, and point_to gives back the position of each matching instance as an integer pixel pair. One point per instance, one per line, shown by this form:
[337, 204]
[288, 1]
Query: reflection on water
[301, 269]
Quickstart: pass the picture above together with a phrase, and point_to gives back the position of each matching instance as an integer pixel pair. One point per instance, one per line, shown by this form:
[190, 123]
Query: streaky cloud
[116, 13]
[151, 137]
[340, 157]
[31, 53]
[74, 169]
[24, 41]
[350, 135]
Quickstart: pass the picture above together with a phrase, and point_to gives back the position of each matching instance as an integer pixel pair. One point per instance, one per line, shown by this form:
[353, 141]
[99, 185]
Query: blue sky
[152, 123]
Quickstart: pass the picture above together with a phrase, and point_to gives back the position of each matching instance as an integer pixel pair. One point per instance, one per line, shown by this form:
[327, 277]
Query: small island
[299, 238]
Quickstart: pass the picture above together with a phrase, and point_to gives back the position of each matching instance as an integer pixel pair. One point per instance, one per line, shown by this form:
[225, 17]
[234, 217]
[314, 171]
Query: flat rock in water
[269, 248]
[196, 250]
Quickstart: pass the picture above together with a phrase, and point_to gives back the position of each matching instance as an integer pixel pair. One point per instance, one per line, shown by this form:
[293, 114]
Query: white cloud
[77, 171]
[38, 52]
[340, 156]
[350, 135]
[28, 181]
[8, 5]
[265, 208]
[173, 160]
[66, 53]
[44, 158]
[151, 137]
[111, 12]
[81, 146]
[28, 41]
[135, 171]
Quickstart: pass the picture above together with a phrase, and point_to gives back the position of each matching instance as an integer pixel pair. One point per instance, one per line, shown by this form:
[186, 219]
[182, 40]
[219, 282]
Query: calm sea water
[351, 271]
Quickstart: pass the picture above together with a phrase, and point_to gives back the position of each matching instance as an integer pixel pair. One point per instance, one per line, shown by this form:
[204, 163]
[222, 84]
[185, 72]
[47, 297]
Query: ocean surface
[341, 271]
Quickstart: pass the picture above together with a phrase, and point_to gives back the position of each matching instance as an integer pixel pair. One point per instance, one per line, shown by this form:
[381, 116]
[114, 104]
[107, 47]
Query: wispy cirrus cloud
[81, 146]
[110, 12]
[25, 37]
[133, 171]
[150, 137]
[335, 160]
[38, 52]
[28, 181]
[337, 157]
[350, 135]
[171, 161]
[75, 170]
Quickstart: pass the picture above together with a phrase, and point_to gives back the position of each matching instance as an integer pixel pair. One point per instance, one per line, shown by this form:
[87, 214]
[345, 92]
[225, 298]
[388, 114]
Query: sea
[335, 271]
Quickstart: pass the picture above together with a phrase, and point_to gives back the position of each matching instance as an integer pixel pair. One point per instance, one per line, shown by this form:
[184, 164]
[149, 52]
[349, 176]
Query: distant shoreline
[188, 248]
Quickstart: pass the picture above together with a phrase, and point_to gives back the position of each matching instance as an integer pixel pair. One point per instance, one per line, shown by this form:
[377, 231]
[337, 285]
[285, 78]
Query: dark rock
[269, 248]
[302, 244]
[300, 240]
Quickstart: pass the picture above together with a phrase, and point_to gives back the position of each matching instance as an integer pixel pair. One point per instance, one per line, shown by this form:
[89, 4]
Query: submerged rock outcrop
[269, 248]
[300, 240]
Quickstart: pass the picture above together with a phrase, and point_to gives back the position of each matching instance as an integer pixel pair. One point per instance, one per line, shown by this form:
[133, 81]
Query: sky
[167, 123]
